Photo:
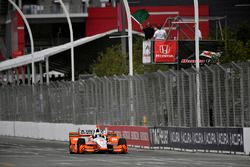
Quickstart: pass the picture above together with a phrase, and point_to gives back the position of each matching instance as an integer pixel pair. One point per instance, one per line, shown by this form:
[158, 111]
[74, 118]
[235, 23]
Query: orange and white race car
[87, 141]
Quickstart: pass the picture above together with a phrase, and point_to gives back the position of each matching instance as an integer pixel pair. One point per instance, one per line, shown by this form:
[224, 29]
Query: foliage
[238, 45]
[112, 62]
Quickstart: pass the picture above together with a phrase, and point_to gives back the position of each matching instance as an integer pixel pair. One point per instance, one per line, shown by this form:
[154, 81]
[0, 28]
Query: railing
[159, 99]
[55, 8]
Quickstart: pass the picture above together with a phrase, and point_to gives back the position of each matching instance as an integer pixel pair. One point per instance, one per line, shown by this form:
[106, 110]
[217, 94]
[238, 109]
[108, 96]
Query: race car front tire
[79, 143]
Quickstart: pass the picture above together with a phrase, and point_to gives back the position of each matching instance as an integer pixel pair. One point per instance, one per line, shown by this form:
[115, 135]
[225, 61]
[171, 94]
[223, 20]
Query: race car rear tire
[79, 143]
[69, 148]
[122, 141]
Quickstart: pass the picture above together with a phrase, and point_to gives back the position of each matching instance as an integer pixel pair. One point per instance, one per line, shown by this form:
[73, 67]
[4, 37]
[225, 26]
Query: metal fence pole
[190, 108]
[109, 100]
[213, 109]
[178, 96]
[226, 95]
[167, 114]
[144, 104]
[241, 92]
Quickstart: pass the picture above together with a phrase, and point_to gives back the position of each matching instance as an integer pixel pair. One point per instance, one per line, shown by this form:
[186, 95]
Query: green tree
[112, 62]
[238, 45]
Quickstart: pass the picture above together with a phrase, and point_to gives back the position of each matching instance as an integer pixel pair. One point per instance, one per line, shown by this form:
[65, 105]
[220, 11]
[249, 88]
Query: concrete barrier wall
[54, 131]
[7, 128]
[41, 130]
[246, 132]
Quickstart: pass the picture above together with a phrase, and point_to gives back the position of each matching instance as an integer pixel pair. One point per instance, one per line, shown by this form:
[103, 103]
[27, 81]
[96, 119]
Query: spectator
[200, 35]
[160, 34]
[148, 31]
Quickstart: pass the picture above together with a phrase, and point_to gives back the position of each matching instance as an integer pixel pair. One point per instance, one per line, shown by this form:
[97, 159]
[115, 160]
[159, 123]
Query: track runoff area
[24, 152]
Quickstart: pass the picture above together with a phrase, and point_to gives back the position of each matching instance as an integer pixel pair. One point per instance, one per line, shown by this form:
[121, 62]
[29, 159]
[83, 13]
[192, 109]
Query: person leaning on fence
[148, 31]
[160, 34]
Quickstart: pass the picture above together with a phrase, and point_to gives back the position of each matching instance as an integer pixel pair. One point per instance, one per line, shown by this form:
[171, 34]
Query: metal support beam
[41, 72]
[130, 52]
[31, 38]
[130, 37]
[71, 41]
[47, 70]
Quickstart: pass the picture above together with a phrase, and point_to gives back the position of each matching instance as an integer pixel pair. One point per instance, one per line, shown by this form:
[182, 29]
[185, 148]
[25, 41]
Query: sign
[147, 51]
[210, 53]
[165, 51]
[223, 139]
[135, 135]
[206, 57]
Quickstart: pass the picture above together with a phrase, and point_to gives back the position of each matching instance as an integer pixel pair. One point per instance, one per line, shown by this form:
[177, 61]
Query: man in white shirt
[160, 34]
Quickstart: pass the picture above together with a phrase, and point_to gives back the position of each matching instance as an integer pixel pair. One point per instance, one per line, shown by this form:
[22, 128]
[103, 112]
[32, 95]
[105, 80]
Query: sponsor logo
[191, 61]
[164, 56]
[164, 49]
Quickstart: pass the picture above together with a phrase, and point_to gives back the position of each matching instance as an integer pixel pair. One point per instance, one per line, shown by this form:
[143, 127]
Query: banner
[146, 51]
[210, 52]
[165, 51]
[222, 139]
[135, 135]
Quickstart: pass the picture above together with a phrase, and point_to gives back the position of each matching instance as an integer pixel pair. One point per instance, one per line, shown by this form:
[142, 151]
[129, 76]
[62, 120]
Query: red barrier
[135, 135]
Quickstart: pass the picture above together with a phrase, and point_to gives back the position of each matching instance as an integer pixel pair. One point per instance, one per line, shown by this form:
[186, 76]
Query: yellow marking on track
[6, 164]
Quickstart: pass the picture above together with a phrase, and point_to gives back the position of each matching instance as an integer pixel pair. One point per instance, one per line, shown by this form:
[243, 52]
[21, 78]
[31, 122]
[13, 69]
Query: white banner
[147, 52]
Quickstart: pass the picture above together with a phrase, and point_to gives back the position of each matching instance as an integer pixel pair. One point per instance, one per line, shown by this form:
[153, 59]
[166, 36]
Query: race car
[88, 142]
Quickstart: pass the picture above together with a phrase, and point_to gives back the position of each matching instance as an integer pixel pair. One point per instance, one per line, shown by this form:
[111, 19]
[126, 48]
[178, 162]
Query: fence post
[109, 98]
[183, 98]
[131, 98]
[219, 96]
[190, 96]
[144, 103]
[213, 113]
[241, 93]
[136, 100]
[100, 105]
[126, 99]
[226, 94]
[178, 95]
[28, 75]
[168, 103]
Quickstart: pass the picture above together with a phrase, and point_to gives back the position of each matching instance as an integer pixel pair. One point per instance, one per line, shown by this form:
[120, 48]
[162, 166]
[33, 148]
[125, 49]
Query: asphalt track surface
[23, 152]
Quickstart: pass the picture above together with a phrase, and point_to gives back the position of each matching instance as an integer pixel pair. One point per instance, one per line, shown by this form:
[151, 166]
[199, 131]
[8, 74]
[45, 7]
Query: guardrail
[219, 140]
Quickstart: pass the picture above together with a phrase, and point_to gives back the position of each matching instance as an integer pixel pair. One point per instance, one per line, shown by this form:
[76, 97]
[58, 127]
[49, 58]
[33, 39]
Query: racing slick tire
[79, 143]
[122, 141]
[69, 148]
[110, 148]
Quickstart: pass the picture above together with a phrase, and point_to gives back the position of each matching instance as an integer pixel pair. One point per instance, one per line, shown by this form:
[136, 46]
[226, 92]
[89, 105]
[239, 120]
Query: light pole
[31, 39]
[130, 51]
[197, 62]
[71, 40]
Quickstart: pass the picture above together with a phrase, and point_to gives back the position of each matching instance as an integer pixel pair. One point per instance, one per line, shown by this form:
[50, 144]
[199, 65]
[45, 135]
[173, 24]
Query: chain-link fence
[157, 99]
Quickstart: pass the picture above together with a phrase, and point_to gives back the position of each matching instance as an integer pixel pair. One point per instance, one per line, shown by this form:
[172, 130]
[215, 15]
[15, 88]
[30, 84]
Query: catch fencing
[153, 99]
